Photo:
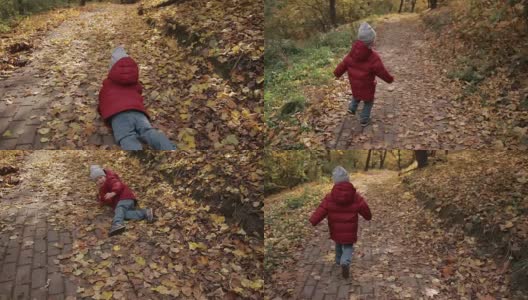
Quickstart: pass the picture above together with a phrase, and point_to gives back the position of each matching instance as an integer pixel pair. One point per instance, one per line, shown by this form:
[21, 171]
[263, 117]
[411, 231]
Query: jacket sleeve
[340, 69]
[139, 88]
[364, 209]
[381, 72]
[320, 213]
[101, 199]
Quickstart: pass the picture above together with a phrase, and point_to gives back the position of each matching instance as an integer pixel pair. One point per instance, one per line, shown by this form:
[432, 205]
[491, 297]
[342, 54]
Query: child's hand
[109, 196]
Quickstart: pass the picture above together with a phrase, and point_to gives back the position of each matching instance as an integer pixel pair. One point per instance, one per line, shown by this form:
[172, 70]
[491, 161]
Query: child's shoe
[353, 112]
[150, 215]
[345, 270]
[364, 123]
[116, 229]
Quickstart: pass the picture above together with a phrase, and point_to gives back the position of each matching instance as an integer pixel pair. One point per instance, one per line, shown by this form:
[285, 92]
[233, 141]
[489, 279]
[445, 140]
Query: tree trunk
[401, 6]
[333, 16]
[83, 3]
[434, 4]
[421, 157]
[368, 160]
[399, 160]
[413, 4]
[383, 155]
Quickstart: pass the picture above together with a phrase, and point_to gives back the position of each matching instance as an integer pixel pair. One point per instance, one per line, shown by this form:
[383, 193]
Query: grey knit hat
[339, 174]
[117, 54]
[366, 34]
[96, 171]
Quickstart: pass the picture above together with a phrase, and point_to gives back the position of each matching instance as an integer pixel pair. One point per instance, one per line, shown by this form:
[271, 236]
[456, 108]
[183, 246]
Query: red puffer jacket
[121, 91]
[114, 184]
[342, 207]
[363, 65]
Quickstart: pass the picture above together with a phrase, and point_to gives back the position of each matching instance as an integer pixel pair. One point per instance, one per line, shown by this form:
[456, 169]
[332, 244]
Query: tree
[433, 4]
[368, 160]
[382, 158]
[399, 160]
[333, 17]
[83, 3]
[413, 4]
[421, 157]
[401, 6]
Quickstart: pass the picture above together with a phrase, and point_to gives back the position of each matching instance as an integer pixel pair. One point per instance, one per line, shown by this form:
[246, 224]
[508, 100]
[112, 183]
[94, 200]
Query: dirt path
[420, 112]
[401, 254]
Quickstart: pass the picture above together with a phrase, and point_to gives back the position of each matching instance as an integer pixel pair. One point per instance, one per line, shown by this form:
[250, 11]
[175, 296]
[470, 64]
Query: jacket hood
[124, 71]
[110, 174]
[360, 51]
[343, 193]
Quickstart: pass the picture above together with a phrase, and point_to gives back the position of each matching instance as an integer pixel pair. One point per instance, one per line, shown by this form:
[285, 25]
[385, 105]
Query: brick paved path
[383, 266]
[418, 112]
[30, 245]
[50, 84]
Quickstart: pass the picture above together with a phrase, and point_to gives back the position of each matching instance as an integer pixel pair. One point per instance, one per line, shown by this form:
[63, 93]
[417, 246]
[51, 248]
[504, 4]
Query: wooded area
[300, 19]
[286, 169]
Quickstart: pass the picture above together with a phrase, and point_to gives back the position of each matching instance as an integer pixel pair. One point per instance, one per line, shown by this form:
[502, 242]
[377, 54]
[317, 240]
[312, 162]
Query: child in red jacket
[363, 65]
[342, 207]
[113, 192]
[121, 106]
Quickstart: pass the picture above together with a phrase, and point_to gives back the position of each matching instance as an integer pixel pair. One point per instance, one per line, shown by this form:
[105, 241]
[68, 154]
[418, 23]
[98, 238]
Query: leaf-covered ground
[190, 96]
[405, 252]
[190, 252]
[10, 163]
[423, 109]
[484, 194]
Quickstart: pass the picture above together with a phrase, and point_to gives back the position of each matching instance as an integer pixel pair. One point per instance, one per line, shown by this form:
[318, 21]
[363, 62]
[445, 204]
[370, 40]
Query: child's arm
[116, 186]
[364, 209]
[320, 213]
[381, 72]
[340, 69]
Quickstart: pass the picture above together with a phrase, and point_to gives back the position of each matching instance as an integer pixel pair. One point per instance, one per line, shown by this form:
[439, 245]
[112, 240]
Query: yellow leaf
[44, 131]
[256, 285]
[239, 253]
[140, 260]
[107, 295]
[217, 219]
[7, 133]
[193, 246]
[116, 248]
[230, 139]
[161, 289]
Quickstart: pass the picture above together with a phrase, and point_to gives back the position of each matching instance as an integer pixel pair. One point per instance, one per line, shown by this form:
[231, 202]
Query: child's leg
[124, 130]
[155, 138]
[365, 113]
[338, 253]
[130, 213]
[119, 213]
[352, 107]
[346, 257]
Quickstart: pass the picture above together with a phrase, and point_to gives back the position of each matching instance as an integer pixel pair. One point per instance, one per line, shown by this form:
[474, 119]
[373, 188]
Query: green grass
[308, 64]
[12, 11]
